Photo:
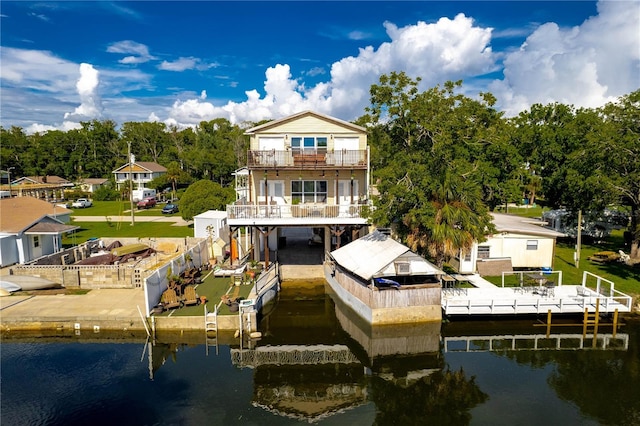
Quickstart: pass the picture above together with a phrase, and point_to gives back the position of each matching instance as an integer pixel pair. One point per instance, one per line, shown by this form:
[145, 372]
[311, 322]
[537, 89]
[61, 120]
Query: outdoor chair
[169, 299]
[190, 296]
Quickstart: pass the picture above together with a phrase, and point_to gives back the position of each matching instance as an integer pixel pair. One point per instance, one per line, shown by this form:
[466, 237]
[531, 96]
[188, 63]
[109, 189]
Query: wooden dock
[563, 299]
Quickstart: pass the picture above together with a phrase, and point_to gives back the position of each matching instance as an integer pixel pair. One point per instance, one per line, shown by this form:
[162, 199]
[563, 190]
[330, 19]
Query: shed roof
[522, 225]
[374, 255]
[211, 214]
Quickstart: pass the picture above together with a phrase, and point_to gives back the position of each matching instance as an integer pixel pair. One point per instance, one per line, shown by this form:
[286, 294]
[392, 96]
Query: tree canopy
[204, 195]
[431, 188]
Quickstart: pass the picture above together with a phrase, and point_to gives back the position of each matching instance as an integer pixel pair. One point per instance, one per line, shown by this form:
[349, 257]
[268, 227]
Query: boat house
[384, 282]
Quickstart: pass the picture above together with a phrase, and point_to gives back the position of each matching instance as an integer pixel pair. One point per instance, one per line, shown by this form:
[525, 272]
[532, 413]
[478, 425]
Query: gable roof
[141, 166]
[20, 213]
[302, 114]
[49, 225]
[93, 181]
[50, 179]
[523, 225]
[374, 255]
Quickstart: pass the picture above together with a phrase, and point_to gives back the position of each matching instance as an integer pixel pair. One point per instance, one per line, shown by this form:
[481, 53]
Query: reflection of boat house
[305, 170]
[302, 366]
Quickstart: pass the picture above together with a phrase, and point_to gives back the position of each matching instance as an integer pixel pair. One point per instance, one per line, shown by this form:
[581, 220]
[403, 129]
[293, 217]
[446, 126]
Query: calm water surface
[317, 363]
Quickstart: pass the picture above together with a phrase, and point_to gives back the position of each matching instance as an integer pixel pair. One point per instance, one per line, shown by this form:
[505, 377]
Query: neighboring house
[140, 172]
[91, 184]
[305, 170]
[42, 180]
[520, 241]
[31, 228]
[49, 188]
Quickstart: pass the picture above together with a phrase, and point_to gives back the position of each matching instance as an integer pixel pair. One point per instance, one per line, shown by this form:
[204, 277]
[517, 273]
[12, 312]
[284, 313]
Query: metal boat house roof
[378, 255]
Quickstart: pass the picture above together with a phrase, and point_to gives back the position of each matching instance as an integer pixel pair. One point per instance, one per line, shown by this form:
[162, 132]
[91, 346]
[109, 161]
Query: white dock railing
[536, 342]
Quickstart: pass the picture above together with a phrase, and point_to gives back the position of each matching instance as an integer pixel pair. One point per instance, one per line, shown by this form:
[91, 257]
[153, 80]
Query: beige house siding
[309, 126]
[514, 246]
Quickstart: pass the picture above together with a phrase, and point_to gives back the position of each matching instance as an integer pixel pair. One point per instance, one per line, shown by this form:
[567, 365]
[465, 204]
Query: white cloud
[138, 53]
[586, 66]
[182, 64]
[447, 49]
[90, 105]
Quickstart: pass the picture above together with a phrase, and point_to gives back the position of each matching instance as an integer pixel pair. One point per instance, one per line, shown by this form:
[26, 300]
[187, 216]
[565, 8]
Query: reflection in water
[319, 363]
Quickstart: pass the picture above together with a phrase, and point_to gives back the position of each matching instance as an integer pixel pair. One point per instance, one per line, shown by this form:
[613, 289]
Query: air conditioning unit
[402, 268]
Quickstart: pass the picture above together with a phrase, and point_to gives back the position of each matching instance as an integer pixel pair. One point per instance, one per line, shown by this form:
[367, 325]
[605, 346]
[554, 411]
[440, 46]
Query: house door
[275, 191]
[345, 192]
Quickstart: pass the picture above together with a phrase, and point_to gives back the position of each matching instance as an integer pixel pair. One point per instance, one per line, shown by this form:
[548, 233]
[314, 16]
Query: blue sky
[185, 62]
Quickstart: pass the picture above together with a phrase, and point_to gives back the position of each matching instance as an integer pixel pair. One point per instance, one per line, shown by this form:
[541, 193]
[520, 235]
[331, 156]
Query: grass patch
[124, 230]
[530, 212]
[103, 208]
[213, 288]
[118, 208]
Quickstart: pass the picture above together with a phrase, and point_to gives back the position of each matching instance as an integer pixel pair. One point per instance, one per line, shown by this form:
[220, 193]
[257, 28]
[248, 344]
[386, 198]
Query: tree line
[211, 151]
[441, 161]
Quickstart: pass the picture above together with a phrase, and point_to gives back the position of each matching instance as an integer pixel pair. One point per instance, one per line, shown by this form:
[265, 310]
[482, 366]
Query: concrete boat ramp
[486, 298]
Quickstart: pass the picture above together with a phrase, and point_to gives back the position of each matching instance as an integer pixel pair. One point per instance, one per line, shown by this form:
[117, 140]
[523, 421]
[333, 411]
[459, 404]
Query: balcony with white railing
[298, 214]
[307, 159]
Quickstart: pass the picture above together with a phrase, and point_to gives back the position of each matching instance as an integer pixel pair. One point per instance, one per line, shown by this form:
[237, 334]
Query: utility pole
[133, 221]
[579, 241]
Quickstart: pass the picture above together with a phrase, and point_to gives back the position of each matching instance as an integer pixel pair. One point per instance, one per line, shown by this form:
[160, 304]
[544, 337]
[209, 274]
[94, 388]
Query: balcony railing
[308, 211]
[322, 159]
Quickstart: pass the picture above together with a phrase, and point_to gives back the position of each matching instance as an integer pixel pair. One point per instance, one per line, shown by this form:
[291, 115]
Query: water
[317, 363]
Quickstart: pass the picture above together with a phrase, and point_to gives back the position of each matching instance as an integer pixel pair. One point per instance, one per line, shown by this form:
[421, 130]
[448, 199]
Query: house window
[308, 144]
[309, 191]
[484, 252]
[532, 244]
[36, 241]
[467, 257]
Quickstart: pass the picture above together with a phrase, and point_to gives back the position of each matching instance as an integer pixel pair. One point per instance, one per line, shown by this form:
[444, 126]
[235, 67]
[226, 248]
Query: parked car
[147, 203]
[81, 203]
[170, 209]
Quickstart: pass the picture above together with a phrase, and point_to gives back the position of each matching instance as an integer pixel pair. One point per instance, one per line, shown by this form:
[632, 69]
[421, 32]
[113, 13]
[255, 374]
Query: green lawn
[118, 208]
[103, 208]
[124, 229]
[213, 288]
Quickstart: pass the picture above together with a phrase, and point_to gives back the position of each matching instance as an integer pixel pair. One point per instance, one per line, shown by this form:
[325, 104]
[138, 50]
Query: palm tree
[452, 219]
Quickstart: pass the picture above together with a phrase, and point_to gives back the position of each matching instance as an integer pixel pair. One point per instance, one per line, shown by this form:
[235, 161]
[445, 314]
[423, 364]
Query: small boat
[129, 249]
[13, 283]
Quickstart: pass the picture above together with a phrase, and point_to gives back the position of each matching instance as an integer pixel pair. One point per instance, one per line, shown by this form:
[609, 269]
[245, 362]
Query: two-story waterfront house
[140, 172]
[306, 170]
